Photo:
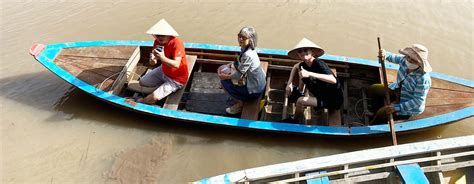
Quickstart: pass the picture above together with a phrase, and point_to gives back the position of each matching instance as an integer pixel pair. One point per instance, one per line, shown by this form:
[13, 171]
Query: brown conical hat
[305, 43]
[162, 28]
[418, 53]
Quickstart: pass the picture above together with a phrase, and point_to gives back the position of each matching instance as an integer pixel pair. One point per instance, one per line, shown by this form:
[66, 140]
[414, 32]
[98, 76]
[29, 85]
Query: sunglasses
[303, 50]
[241, 37]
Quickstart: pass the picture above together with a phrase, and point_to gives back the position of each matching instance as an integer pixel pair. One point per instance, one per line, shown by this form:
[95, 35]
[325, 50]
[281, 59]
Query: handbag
[243, 79]
[295, 94]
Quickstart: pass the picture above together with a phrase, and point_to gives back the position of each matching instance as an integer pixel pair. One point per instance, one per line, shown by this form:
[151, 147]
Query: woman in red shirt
[173, 72]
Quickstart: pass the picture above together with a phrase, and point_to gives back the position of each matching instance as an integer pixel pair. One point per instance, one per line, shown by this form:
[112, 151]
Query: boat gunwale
[300, 166]
[48, 55]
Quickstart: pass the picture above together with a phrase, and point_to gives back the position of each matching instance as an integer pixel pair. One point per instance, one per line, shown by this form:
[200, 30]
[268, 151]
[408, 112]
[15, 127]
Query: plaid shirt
[415, 87]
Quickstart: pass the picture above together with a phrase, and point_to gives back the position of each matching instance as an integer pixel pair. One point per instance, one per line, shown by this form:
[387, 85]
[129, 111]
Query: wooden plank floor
[251, 108]
[206, 95]
[94, 64]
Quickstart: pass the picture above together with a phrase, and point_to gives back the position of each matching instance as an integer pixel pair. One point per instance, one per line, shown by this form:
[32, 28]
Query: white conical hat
[305, 43]
[162, 28]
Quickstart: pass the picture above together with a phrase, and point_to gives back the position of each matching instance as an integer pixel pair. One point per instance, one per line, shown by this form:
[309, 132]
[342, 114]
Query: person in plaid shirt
[411, 88]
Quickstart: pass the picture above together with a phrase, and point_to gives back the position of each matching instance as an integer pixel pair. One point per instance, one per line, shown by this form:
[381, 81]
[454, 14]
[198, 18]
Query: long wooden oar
[387, 96]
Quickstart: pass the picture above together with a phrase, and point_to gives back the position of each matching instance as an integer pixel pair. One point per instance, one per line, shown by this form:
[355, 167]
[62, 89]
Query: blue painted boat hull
[47, 55]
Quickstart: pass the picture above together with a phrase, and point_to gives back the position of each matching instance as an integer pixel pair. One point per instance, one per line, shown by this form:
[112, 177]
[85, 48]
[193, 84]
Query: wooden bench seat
[172, 101]
[334, 116]
[251, 108]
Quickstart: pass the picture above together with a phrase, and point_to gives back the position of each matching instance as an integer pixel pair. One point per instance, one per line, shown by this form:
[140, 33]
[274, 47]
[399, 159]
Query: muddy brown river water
[52, 133]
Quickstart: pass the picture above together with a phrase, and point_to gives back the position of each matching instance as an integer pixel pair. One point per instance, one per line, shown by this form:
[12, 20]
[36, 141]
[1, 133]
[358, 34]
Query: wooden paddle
[387, 96]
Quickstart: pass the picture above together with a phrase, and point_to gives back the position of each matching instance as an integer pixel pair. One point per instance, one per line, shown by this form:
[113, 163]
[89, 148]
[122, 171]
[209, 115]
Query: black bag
[295, 94]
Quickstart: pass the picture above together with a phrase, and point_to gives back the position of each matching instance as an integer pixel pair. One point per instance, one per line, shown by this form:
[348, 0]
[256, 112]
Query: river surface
[52, 133]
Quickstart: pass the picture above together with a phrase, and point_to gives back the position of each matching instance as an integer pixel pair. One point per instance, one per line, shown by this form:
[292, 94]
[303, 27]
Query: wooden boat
[108, 70]
[422, 162]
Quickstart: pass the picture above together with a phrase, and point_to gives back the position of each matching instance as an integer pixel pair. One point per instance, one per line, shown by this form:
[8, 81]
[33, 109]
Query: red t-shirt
[175, 48]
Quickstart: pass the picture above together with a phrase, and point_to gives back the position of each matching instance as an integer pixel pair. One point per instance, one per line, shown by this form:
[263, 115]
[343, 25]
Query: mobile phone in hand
[159, 49]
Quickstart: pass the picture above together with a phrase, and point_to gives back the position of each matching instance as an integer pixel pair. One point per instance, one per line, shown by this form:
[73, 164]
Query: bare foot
[130, 101]
[147, 100]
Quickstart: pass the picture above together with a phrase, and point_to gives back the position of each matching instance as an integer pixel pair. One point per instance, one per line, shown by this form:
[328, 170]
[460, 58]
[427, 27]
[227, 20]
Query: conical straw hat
[305, 43]
[162, 28]
[420, 54]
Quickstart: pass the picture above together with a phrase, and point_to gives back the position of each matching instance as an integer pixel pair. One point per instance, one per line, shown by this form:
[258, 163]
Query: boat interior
[117, 69]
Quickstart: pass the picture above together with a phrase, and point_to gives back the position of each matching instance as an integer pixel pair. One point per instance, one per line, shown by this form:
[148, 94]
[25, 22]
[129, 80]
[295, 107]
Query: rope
[364, 112]
[243, 179]
[113, 84]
